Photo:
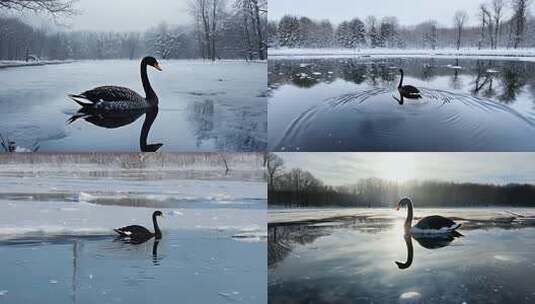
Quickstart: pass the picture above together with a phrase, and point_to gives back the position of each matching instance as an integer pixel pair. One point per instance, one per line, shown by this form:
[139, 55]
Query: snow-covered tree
[289, 31]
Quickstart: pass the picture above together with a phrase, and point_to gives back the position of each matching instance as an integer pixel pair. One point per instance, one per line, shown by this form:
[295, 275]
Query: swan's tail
[79, 99]
[121, 233]
[456, 227]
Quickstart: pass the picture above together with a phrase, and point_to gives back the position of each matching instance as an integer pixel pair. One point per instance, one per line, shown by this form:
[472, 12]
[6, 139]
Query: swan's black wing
[108, 119]
[410, 89]
[110, 93]
[134, 231]
[436, 222]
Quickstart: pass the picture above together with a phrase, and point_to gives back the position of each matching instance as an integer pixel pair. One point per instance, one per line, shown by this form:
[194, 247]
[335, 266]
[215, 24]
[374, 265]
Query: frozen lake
[352, 104]
[203, 107]
[58, 246]
[349, 255]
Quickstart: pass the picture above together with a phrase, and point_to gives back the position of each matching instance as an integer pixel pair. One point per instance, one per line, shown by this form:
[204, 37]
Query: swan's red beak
[397, 207]
[157, 66]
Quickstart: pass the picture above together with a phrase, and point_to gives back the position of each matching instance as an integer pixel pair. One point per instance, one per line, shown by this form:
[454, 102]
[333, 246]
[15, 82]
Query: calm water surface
[353, 261]
[184, 267]
[203, 107]
[352, 104]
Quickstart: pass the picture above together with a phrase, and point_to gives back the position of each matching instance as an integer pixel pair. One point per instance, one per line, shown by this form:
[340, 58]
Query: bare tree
[275, 165]
[460, 19]
[253, 12]
[497, 9]
[484, 23]
[53, 7]
[520, 8]
[208, 14]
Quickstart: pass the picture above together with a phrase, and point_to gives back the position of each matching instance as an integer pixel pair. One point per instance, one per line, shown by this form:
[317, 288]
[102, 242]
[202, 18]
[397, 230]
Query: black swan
[114, 98]
[140, 234]
[407, 91]
[429, 224]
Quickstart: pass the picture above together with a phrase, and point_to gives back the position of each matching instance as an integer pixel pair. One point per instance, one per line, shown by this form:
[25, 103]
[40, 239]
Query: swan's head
[149, 60]
[157, 213]
[403, 202]
[401, 71]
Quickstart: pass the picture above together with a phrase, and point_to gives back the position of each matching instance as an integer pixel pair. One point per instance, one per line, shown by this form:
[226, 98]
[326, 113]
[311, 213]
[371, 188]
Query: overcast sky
[124, 15]
[409, 12]
[346, 168]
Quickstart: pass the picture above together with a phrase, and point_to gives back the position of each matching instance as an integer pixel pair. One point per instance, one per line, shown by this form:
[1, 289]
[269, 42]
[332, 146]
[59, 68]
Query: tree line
[300, 188]
[501, 24]
[222, 29]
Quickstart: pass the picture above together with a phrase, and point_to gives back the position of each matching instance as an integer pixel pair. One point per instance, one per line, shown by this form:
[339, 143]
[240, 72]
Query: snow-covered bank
[103, 162]
[17, 63]
[512, 54]
[278, 215]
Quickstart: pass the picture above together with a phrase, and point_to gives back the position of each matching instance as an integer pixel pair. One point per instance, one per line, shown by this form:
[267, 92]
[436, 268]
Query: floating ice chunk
[85, 197]
[316, 73]
[410, 297]
[304, 65]
[53, 282]
[491, 71]
[250, 236]
[229, 294]
[3, 292]
[22, 150]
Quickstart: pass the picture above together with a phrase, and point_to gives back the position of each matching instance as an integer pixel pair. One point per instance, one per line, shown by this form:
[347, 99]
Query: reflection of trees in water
[283, 237]
[232, 129]
[455, 81]
[512, 82]
[511, 76]
[201, 117]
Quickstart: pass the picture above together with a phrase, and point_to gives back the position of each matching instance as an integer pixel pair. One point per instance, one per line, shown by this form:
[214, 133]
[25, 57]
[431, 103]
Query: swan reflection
[117, 119]
[426, 241]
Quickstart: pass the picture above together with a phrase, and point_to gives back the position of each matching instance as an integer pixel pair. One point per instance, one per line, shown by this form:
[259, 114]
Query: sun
[396, 167]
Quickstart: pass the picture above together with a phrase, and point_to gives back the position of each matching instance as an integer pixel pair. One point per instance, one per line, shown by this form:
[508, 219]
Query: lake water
[203, 107]
[186, 266]
[351, 258]
[57, 244]
[352, 104]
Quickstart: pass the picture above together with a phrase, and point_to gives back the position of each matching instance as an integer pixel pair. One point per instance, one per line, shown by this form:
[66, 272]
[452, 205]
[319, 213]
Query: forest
[500, 24]
[221, 29]
[298, 188]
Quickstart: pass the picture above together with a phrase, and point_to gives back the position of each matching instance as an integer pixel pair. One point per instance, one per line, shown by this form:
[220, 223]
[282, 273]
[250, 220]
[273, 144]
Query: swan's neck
[401, 80]
[408, 221]
[157, 232]
[149, 92]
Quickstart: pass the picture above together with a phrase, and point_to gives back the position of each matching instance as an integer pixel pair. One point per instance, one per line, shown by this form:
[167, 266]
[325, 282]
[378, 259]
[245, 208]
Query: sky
[408, 12]
[346, 168]
[123, 15]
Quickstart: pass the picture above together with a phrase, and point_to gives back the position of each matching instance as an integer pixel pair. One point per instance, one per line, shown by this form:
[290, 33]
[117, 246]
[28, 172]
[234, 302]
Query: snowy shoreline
[296, 53]
[16, 64]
